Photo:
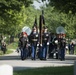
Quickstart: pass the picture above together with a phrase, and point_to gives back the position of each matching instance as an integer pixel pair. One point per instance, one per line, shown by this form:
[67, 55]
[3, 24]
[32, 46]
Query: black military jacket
[45, 37]
[34, 38]
[23, 42]
[62, 43]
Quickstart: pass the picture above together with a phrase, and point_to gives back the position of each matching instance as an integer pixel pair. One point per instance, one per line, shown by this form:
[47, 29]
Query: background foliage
[15, 14]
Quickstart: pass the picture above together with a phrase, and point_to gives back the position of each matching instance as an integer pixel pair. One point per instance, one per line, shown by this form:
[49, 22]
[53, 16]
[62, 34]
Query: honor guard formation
[42, 44]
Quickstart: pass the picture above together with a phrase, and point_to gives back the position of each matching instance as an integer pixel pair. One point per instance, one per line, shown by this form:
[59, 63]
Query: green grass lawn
[67, 70]
[13, 45]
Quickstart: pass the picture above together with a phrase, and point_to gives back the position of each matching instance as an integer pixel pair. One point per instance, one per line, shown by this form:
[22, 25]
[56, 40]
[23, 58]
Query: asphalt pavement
[14, 60]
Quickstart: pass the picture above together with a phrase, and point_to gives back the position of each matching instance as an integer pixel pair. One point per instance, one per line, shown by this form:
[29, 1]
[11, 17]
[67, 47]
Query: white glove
[40, 44]
[37, 44]
[47, 43]
[28, 44]
[56, 41]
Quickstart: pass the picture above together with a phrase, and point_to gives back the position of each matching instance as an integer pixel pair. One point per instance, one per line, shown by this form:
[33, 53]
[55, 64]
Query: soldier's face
[45, 30]
[34, 30]
[24, 36]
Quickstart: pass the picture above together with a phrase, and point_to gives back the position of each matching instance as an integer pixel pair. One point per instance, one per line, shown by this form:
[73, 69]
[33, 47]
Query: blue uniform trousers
[40, 53]
[33, 54]
[62, 54]
[23, 53]
[44, 51]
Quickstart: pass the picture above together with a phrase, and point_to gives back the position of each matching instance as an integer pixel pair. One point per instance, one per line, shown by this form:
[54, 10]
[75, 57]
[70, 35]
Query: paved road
[15, 61]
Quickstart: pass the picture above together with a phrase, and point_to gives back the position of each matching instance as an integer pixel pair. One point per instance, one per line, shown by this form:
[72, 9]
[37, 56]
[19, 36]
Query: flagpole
[41, 23]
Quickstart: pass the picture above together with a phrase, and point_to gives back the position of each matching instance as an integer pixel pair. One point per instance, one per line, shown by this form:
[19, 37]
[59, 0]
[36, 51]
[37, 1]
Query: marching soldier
[45, 43]
[62, 45]
[34, 41]
[51, 45]
[23, 45]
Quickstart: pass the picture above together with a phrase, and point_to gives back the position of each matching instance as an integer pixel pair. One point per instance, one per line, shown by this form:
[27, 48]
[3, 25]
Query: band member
[62, 45]
[51, 44]
[34, 41]
[23, 45]
[45, 42]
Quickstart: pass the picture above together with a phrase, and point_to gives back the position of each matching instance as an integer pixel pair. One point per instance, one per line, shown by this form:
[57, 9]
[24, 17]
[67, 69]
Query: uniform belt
[45, 38]
[34, 39]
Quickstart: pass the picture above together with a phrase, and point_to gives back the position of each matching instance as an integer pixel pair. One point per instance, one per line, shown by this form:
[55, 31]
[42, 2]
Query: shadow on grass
[66, 70]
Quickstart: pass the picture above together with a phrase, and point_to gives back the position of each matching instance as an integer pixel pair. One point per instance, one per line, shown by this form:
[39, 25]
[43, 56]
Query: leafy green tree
[54, 19]
[12, 15]
[64, 5]
[32, 13]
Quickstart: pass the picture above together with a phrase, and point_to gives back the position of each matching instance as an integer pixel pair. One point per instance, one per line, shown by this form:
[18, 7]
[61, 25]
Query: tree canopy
[61, 13]
[12, 14]
[64, 5]
[15, 14]
[54, 19]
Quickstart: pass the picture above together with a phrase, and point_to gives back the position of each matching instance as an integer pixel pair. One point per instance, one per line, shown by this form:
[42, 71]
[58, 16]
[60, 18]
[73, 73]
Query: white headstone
[6, 70]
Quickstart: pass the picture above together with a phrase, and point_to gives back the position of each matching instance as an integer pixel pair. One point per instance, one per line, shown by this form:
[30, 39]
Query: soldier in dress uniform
[34, 41]
[62, 45]
[45, 42]
[51, 44]
[23, 45]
